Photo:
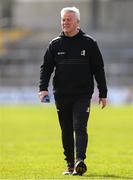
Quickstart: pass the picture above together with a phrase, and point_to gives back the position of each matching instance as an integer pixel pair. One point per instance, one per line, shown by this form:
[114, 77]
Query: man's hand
[103, 101]
[41, 95]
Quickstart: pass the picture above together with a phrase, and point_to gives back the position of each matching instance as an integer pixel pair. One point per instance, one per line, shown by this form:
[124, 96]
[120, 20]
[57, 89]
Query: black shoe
[68, 171]
[80, 168]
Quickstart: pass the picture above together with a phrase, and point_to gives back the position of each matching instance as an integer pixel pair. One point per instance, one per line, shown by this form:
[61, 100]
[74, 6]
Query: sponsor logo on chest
[82, 52]
[61, 53]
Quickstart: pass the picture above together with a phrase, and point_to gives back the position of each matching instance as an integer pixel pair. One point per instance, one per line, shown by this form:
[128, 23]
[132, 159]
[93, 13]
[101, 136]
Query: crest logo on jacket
[82, 53]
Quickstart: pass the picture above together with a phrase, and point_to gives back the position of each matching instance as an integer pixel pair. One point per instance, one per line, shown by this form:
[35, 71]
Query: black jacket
[77, 60]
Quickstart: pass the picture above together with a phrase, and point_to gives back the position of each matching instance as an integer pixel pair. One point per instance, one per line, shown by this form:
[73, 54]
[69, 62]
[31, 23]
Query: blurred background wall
[26, 27]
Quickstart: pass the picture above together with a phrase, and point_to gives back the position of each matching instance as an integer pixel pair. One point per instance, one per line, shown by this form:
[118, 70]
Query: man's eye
[68, 20]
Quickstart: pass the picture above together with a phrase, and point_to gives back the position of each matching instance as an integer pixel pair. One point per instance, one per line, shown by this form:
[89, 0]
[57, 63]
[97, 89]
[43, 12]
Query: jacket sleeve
[97, 66]
[46, 69]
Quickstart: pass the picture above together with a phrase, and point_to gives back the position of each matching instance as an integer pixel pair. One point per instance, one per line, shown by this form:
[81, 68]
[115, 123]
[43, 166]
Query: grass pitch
[30, 143]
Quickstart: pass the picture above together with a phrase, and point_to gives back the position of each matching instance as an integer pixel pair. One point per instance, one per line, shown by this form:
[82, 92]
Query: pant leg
[81, 109]
[64, 111]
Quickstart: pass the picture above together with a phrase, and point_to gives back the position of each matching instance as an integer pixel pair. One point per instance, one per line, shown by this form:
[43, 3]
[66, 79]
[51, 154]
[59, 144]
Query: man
[77, 61]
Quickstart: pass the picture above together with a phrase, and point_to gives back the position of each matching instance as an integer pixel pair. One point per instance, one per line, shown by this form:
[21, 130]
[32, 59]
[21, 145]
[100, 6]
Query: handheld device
[46, 99]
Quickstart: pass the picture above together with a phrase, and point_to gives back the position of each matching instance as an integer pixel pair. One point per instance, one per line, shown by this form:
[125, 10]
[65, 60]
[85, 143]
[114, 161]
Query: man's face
[69, 23]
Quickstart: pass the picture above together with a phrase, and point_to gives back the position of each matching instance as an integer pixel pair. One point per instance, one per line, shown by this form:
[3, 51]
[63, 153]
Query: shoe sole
[67, 173]
[80, 168]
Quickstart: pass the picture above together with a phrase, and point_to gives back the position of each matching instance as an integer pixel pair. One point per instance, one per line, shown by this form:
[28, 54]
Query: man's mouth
[66, 26]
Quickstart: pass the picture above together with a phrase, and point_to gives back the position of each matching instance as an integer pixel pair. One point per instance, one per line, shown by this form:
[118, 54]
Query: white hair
[71, 9]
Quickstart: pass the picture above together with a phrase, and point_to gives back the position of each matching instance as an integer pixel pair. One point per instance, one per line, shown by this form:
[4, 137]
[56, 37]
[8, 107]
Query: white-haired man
[77, 61]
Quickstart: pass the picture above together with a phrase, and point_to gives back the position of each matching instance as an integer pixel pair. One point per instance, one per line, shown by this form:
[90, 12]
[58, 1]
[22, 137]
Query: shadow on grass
[107, 176]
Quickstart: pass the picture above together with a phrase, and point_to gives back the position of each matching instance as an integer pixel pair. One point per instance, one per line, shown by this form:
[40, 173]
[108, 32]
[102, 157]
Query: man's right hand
[41, 95]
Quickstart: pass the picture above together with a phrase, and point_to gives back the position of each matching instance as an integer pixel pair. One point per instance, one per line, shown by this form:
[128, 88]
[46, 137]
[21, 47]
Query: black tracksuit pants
[73, 113]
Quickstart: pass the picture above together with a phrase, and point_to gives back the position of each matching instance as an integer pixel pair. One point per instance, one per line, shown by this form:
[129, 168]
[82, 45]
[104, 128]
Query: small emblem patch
[83, 53]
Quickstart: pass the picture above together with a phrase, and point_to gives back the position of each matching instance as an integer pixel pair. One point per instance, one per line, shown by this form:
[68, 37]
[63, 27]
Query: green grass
[30, 143]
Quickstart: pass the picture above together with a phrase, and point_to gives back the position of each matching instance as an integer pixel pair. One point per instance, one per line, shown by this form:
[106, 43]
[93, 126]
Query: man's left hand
[103, 101]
